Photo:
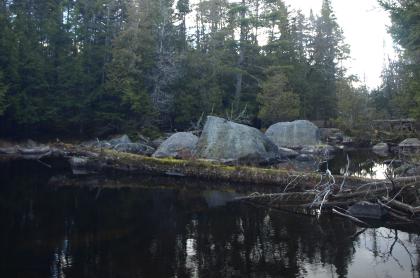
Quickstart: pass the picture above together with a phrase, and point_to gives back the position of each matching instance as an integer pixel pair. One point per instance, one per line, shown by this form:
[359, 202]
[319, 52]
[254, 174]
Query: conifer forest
[80, 68]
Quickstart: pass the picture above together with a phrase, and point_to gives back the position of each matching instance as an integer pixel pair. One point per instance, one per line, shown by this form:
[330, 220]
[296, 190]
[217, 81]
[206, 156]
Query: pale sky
[364, 24]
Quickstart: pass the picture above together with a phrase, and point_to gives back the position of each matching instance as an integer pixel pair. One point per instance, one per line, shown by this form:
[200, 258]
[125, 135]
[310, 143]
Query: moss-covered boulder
[224, 140]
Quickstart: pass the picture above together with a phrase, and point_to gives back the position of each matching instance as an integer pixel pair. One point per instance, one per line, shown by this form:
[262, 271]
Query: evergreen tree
[95, 67]
[328, 51]
[405, 30]
[278, 102]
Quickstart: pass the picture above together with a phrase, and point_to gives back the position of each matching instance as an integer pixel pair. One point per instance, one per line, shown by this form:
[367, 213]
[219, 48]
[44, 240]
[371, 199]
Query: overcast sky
[365, 29]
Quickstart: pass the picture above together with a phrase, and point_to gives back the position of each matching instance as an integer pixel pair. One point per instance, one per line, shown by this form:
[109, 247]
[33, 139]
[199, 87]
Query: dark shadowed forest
[98, 67]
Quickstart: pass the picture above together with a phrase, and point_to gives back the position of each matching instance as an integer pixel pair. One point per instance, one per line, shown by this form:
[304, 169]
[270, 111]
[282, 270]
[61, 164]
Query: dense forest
[96, 67]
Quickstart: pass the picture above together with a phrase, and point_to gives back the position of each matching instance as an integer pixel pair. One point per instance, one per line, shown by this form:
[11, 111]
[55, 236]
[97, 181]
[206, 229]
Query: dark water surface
[361, 163]
[179, 232]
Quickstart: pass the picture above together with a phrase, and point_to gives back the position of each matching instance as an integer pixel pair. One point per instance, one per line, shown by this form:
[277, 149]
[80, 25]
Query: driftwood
[401, 206]
[352, 218]
[104, 160]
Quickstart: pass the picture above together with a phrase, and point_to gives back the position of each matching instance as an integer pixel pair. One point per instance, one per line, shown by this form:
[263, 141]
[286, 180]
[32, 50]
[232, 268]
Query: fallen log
[104, 160]
[401, 206]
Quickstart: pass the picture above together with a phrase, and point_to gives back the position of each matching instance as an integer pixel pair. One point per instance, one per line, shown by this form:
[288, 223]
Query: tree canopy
[95, 67]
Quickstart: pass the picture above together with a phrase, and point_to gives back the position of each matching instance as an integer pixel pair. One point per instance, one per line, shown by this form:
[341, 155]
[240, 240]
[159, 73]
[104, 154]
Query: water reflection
[362, 164]
[176, 232]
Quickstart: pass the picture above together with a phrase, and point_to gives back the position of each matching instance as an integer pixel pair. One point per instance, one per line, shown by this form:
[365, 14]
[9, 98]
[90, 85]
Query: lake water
[152, 228]
[363, 163]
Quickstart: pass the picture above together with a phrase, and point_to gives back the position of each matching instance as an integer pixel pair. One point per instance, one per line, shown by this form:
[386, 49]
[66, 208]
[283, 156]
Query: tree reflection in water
[149, 232]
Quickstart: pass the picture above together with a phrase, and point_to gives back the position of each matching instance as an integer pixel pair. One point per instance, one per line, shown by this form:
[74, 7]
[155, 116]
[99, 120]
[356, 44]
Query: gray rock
[381, 149]
[81, 165]
[325, 150]
[403, 169]
[96, 144]
[30, 144]
[289, 153]
[78, 162]
[179, 145]
[305, 157]
[144, 140]
[225, 140]
[410, 146]
[331, 135]
[293, 134]
[347, 140]
[410, 142]
[123, 139]
[135, 148]
[103, 145]
[413, 171]
[8, 150]
[38, 150]
[367, 210]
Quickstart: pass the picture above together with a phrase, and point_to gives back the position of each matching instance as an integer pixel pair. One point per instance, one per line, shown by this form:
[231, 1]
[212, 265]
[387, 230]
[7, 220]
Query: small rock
[347, 140]
[413, 171]
[96, 144]
[289, 153]
[381, 149]
[331, 135]
[402, 170]
[102, 145]
[78, 162]
[143, 139]
[135, 148]
[318, 150]
[123, 139]
[81, 165]
[305, 157]
[8, 150]
[34, 150]
[30, 143]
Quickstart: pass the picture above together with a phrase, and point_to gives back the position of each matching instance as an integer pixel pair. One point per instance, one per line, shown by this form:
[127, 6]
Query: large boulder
[224, 140]
[179, 145]
[294, 134]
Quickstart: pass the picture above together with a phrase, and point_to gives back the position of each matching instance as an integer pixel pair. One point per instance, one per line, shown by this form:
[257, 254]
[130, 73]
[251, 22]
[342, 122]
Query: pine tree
[328, 51]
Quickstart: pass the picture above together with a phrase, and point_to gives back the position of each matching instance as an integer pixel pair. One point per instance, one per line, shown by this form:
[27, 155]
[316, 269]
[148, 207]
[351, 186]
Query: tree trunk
[241, 58]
